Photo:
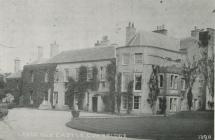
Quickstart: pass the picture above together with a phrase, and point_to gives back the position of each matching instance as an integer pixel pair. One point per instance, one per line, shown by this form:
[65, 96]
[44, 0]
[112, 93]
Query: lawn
[184, 125]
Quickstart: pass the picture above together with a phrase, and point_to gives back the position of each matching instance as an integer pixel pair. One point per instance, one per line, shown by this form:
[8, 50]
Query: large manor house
[44, 80]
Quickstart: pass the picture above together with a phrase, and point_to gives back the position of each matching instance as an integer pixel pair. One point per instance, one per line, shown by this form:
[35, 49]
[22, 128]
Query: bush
[75, 113]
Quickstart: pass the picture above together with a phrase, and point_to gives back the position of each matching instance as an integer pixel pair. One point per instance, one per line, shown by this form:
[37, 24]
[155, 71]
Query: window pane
[161, 81]
[175, 82]
[138, 58]
[102, 73]
[89, 73]
[125, 59]
[171, 81]
[138, 81]
[136, 102]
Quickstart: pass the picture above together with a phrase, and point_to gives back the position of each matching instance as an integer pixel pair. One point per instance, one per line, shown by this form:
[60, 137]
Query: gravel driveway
[33, 124]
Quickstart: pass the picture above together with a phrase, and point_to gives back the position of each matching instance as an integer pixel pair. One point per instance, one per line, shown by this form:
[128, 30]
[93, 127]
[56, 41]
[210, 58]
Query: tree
[129, 96]
[110, 76]
[70, 91]
[203, 66]
[77, 89]
[189, 98]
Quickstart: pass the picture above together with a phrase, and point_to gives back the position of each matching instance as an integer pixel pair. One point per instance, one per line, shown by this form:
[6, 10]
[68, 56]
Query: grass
[184, 125]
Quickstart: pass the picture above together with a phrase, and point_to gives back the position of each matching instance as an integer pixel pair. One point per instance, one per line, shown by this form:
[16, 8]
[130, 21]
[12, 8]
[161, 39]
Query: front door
[95, 100]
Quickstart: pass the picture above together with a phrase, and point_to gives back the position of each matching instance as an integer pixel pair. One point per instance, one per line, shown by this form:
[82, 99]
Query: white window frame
[89, 73]
[171, 81]
[135, 58]
[183, 84]
[102, 73]
[138, 73]
[161, 74]
[124, 55]
[174, 81]
[139, 102]
[171, 109]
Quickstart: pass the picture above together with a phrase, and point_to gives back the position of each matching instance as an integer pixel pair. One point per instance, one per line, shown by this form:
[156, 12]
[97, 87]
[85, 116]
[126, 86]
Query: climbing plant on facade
[153, 87]
[110, 76]
[118, 96]
[129, 95]
[77, 89]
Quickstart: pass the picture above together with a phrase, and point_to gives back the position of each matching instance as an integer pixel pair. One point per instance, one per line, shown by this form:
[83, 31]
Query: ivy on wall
[118, 96]
[38, 87]
[110, 76]
[130, 96]
[153, 87]
[79, 88]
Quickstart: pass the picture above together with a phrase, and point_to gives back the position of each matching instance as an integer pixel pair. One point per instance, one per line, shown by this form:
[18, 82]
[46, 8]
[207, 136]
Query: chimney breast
[161, 30]
[130, 32]
[195, 32]
[17, 63]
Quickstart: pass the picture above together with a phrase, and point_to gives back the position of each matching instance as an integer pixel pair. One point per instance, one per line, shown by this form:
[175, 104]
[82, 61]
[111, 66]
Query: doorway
[95, 103]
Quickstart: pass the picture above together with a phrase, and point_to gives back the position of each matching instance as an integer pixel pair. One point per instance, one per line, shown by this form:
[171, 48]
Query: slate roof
[89, 54]
[155, 39]
[15, 75]
[39, 61]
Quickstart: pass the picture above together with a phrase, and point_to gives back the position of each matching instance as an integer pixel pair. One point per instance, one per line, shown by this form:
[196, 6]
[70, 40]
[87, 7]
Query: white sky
[73, 24]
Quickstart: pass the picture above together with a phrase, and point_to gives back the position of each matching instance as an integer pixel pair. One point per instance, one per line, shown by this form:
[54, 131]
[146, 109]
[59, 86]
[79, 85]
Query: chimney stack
[40, 52]
[195, 32]
[103, 43]
[130, 32]
[54, 49]
[17, 63]
[161, 30]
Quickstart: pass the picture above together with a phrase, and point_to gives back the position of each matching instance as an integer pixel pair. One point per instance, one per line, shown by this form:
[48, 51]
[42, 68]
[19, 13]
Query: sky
[75, 24]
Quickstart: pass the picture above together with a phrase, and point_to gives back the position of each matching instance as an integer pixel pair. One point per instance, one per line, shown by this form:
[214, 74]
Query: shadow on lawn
[181, 126]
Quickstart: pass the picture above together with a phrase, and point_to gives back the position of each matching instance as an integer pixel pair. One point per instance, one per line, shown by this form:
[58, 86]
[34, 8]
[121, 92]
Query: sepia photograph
[107, 69]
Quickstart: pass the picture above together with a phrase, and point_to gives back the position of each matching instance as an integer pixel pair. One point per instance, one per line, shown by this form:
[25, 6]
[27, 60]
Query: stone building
[14, 81]
[68, 64]
[38, 81]
[135, 60]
